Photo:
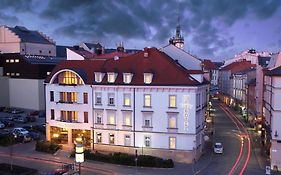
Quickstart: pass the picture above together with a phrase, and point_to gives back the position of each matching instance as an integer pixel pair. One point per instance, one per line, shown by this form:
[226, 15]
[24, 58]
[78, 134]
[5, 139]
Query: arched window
[68, 78]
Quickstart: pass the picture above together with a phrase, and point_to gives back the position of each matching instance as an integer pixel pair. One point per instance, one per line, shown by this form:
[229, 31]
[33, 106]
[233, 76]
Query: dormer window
[127, 77]
[98, 77]
[111, 77]
[147, 78]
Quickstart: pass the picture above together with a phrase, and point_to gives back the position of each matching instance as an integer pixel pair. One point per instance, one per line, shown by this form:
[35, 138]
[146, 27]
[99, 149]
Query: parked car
[20, 119]
[34, 135]
[11, 118]
[8, 123]
[16, 111]
[5, 132]
[218, 148]
[2, 125]
[23, 138]
[20, 131]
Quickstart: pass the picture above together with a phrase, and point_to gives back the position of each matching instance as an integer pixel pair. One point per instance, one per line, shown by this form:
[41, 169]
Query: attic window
[111, 76]
[98, 77]
[147, 78]
[127, 77]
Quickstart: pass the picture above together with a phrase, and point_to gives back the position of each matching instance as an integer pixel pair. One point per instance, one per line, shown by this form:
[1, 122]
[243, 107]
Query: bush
[6, 140]
[128, 159]
[47, 147]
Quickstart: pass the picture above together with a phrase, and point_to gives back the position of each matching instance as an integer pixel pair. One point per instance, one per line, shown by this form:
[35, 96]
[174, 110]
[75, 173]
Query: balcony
[127, 127]
[147, 128]
[111, 126]
[98, 125]
[172, 130]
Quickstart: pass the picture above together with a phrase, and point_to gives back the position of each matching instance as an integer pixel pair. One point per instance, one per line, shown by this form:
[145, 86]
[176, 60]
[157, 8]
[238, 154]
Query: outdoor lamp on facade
[79, 155]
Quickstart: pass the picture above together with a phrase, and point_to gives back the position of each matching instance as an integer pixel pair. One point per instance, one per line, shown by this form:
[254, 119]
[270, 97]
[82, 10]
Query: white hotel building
[146, 102]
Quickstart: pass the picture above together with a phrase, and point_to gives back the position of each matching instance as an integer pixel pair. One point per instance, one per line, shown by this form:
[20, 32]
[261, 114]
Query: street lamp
[79, 155]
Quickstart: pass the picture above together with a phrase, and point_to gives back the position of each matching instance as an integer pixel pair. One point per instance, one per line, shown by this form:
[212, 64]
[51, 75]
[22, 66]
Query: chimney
[145, 50]
[120, 47]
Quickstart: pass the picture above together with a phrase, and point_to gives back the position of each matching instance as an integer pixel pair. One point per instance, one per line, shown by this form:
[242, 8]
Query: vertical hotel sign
[186, 108]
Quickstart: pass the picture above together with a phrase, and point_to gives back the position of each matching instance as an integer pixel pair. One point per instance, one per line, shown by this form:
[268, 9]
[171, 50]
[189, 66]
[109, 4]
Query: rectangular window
[127, 99]
[68, 97]
[147, 120]
[172, 143]
[17, 60]
[51, 95]
[8, 74]
[85, 98]
[111, 77]
[127, 118]
[127, 141]
[52, 114]
[86, 120]
[17, 74]
[12, 60]
[98, 98]
[69, 116]
[7, 61]
[147, 100]
[127, 78]
[172, 121]
[111, 139]
[98, 77]
[147, 123]
[147, 142]
[111, 118]
[172, 101]
[12, 74]
[99, 137]
[147, 78]
[111, 99]
[48, 73]
[99, 118]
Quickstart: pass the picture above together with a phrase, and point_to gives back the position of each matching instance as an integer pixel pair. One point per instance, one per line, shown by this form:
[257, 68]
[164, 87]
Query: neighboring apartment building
[145, 101]
[211, 72]
[272, 113]
[27, 58]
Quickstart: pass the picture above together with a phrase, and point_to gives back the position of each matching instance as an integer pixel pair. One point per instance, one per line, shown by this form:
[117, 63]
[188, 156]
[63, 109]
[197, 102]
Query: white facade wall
[71, 55]
[215, 77]
[22, 89]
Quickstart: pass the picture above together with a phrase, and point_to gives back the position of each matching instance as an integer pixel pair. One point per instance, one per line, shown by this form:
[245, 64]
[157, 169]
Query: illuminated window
[69, 116]
[111, 77]
[111, 118]
[111, 139]
[52, 114]
[17, 74]
[17, 60]
[127, 99]
[147, 142]
[99, 118]
[69, 78]
[127, 141]
[48, 73]
[172, 121]
[127, 118]
[147, 100]
[99, 137]
[12, 60]
[147, 78]
[172, 143]
[111, 99]
[7, 61]
[12, 74]
[127, 78]
[98, 77]
[8, 74]
[98, 98]
[172, 101]
[68, 97]
[86, 120]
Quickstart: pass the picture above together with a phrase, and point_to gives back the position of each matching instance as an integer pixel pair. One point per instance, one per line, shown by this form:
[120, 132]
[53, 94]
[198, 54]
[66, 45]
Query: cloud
[205, 23]
[8, 19]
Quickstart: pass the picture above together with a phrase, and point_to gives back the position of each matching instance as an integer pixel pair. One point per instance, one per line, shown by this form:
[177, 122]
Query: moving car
[218, 148]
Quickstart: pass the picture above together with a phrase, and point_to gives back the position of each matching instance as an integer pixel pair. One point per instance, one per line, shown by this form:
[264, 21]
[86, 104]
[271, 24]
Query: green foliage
[6, 140]
[128, 159]
[47, 147]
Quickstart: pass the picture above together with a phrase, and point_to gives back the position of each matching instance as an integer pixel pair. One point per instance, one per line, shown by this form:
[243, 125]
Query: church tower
[177, 40]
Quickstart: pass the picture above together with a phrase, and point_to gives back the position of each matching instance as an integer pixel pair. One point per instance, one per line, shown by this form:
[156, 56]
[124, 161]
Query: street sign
[267, 170]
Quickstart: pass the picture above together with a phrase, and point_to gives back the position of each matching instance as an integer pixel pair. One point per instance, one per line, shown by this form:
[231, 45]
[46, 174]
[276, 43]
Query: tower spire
[177, 40]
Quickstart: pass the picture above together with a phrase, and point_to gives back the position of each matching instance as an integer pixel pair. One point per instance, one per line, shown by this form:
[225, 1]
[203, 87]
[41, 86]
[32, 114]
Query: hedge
[128, 159]
[47, 147]
[6, 140]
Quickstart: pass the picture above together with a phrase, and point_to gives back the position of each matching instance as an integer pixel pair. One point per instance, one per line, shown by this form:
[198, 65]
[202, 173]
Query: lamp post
[79, 155]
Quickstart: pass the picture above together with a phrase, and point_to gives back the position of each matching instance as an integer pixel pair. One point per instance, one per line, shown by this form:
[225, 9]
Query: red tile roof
[112, 55]
[238, 66]
[209, 65]
[165, 70]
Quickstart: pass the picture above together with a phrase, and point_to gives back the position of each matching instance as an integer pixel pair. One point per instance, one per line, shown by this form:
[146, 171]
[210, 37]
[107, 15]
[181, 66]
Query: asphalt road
[226, 132]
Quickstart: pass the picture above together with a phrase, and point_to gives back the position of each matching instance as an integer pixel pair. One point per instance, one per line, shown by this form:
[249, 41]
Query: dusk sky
[214, 29]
